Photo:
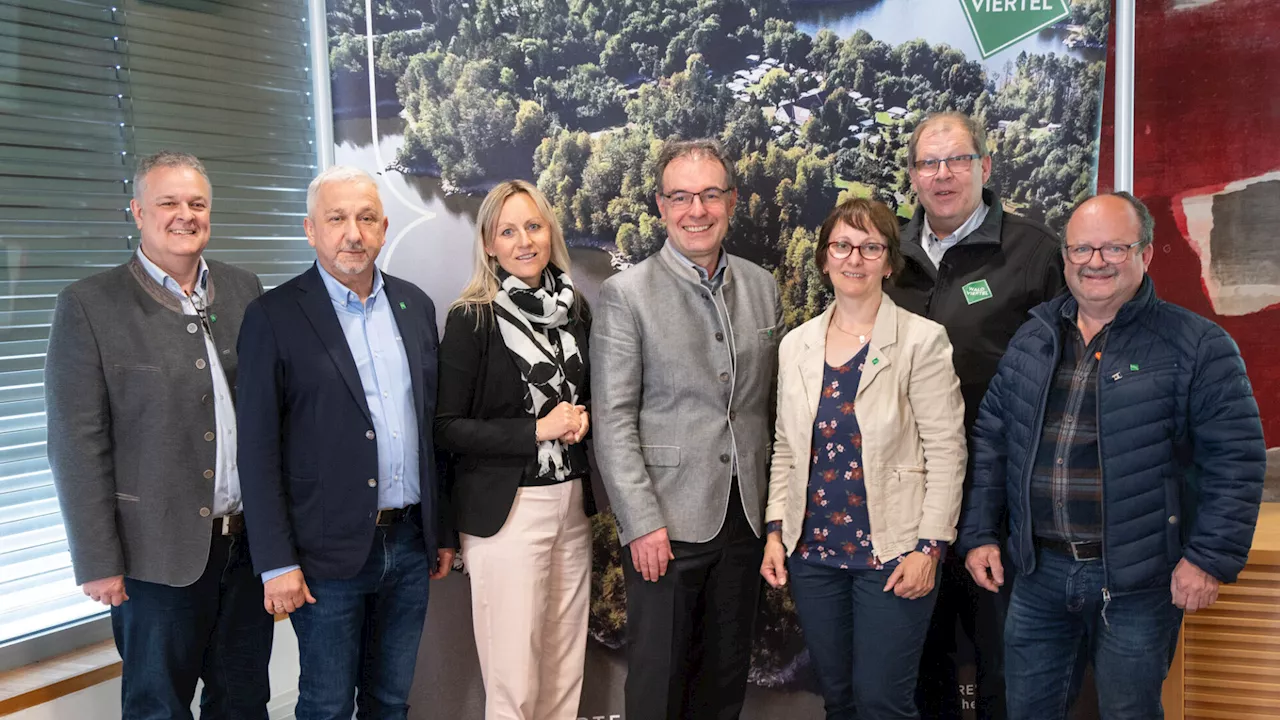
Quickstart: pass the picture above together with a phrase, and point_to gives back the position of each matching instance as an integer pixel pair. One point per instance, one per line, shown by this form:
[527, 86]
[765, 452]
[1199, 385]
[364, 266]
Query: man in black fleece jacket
[978, 270]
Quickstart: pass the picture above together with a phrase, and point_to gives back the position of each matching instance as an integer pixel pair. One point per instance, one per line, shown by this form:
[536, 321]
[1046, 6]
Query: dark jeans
[689, 634]
[1056, 626]
[864, 642]
[213, 630]
[362, 633]
[980, 616]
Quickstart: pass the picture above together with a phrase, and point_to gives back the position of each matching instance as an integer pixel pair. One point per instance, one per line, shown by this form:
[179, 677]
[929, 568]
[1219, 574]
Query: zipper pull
[1106, 600]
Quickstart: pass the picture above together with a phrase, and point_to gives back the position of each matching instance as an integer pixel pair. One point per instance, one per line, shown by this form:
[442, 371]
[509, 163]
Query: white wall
[102, 701]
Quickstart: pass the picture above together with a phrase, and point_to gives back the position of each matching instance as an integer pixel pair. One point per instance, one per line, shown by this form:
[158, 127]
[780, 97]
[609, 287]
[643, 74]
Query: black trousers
[689, 634]
[213, 630]
[980, 615]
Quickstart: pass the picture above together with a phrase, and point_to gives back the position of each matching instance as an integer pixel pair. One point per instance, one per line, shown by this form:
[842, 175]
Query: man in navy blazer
[346, 520]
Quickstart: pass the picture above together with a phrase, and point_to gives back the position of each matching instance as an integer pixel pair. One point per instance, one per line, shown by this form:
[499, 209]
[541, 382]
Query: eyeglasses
[681, 199]
[869, 251]
[957, 164]
[1111, 254]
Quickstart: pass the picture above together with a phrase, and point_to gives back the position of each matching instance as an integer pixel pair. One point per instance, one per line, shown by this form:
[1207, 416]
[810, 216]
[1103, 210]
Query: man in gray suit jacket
[142, 443]
[684, 361]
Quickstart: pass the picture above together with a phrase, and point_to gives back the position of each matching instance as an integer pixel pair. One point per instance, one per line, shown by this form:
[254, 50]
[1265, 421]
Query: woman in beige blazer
[868, 464]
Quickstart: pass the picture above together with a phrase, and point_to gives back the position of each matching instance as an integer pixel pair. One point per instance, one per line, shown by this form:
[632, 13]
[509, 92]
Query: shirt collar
[163, 279]
[973, 222]
[344, 296]
[702, 272]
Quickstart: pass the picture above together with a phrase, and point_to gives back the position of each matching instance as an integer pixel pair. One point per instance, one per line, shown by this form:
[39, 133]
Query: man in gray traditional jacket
[683, 365]
[142, 443]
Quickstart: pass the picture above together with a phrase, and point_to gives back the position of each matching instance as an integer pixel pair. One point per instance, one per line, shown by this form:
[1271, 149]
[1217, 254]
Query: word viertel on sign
[996, 6]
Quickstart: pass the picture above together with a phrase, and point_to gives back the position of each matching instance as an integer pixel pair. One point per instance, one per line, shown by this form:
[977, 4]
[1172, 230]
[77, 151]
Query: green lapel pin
[403, 306]
[875, 361]
[213, 318]
[1133, 367]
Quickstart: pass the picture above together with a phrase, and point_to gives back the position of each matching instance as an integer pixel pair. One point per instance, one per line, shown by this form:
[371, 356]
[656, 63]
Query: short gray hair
[167, 159]
[702, 147]
[1146, 223]
[335, 173]
[976, 132]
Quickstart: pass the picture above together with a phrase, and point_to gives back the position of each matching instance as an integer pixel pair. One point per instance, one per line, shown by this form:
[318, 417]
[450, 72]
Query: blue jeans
[213, 630]
[1056, 627]
[362, 633]
[865, 643]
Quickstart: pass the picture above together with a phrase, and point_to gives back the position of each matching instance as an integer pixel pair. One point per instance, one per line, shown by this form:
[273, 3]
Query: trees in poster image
[579, 94]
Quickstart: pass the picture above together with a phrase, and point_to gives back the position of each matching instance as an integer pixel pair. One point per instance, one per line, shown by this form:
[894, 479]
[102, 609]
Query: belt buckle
[378, 519]
[231, 524]
[1075, 553]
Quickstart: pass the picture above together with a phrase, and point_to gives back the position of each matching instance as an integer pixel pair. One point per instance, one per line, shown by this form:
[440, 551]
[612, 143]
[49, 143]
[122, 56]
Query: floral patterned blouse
[837, 527]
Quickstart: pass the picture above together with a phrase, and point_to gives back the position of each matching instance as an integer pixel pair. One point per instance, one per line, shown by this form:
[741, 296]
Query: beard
[352, 267]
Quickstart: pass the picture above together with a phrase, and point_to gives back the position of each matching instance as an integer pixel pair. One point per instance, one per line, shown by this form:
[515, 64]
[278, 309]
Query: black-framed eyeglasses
[1111, 254]
[840, 250]
[681, 199]
[957, 164]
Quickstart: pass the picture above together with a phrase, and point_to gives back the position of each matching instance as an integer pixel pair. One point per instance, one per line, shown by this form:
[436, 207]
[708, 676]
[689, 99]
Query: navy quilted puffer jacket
[1183, 457]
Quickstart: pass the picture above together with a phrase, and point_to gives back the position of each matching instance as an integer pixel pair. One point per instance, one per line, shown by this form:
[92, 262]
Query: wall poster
[440, 99]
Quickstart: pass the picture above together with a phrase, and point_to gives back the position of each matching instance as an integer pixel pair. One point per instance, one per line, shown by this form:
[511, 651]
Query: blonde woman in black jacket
[512, 409]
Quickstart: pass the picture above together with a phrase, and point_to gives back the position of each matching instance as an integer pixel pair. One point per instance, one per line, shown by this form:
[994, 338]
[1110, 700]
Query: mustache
[1092, 273]
[352, 247]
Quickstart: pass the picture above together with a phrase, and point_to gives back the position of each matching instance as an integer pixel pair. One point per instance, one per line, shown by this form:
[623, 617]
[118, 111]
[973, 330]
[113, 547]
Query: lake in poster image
[816, 102]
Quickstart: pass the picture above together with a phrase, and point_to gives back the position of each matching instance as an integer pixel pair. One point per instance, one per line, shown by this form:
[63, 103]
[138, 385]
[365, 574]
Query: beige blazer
[911, 415]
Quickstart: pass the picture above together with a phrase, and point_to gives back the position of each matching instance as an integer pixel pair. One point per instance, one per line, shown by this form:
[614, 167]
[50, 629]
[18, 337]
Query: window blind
[87, 87]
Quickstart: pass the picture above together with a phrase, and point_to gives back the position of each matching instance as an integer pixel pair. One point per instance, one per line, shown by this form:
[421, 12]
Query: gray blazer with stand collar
[682, 383]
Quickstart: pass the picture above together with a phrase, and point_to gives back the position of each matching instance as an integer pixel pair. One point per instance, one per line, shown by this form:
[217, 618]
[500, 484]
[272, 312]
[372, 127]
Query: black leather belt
[395, 515]
[229, 525]
[1077, 550]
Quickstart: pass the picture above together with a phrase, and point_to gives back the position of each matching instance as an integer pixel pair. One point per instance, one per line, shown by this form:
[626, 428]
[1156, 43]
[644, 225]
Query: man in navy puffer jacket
[1122, 435]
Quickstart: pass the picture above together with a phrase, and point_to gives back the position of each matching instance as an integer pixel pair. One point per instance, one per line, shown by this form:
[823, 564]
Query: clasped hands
[566, 422]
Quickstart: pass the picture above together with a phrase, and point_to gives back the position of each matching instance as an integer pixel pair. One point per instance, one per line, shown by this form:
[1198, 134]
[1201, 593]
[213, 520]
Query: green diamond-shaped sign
[997, 24]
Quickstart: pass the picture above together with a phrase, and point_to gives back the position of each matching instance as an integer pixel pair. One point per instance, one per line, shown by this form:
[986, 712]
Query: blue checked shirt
[1066, 482]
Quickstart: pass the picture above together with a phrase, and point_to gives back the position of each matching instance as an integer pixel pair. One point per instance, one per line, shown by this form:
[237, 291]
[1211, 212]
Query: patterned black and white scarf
[531, 321]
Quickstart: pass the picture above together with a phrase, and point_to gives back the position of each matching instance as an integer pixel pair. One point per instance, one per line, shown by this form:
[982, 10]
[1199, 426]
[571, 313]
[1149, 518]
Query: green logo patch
[976, 291]
[997, 24]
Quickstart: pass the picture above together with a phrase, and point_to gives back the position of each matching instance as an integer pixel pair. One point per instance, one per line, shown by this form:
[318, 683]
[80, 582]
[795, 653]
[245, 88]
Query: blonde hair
[483, 286]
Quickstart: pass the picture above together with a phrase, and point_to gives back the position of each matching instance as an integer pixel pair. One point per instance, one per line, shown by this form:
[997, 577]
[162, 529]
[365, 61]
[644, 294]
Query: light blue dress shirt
[376, 346]
[935, 247]
[226, 475]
